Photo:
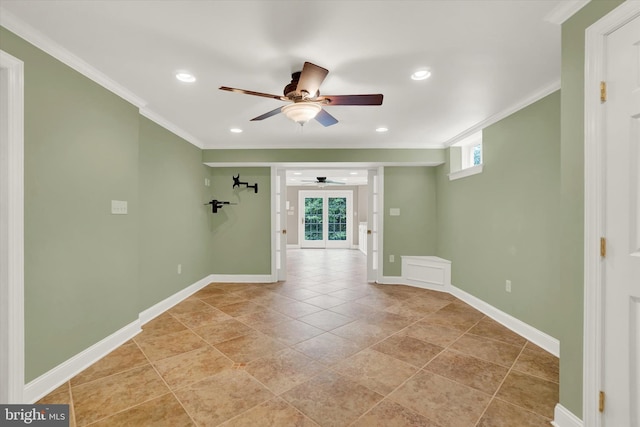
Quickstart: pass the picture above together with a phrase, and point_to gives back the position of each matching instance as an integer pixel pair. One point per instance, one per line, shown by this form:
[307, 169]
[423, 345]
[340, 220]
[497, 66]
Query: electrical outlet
[392, 258]
[507, 286]
[179, 268]
[119, 207]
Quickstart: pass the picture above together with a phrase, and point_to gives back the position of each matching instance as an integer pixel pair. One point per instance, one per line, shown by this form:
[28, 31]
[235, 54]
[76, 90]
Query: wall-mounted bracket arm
[237, 183]
[218, 204]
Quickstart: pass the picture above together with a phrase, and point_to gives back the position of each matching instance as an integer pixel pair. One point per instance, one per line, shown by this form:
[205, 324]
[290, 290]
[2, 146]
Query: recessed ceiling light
[353, 173]
[297, 173]
[235, 130]
[381, 129]
[185, 77]
[421, 75]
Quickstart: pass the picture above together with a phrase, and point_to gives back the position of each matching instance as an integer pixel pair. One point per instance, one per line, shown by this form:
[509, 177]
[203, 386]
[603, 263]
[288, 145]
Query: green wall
[89, 273]
[503, 224]
[571, 295]
[81, 262]
[432, 157]
[414, 232]
[174, 223]
[242, 232]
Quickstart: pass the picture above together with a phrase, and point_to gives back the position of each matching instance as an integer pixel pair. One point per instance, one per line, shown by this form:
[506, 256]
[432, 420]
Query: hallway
[323, 348]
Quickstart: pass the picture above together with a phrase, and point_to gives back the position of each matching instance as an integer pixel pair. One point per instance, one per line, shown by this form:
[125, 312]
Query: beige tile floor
[324, 348]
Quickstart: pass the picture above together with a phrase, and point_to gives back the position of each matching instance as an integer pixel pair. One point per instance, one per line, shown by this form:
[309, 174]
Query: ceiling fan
[305, 100]
[322, 180]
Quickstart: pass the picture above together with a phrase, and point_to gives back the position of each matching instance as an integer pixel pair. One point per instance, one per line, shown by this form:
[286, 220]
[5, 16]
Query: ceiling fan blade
[335, 182]
[325, 118]
[250, 92]
[311, 78]
[373, 99]
[267, 115]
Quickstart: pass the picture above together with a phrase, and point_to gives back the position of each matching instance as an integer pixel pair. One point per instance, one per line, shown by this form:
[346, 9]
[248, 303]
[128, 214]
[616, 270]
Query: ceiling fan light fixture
[301, 112]
[381, 129]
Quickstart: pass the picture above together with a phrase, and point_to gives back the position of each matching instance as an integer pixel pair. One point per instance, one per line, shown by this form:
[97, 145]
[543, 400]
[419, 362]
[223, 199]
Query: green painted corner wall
[242, 232]
[174, 223]
[571, 296]
[89, 273]
[81, 262]
[503, 224]
[414, 232]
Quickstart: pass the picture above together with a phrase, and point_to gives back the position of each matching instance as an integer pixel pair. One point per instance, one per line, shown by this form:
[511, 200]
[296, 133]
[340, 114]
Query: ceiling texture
[486, 58]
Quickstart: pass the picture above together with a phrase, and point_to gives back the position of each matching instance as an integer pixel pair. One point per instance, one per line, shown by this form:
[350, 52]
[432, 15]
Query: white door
[326, 219]
[373, 223]
[621, 326]
[280, 236]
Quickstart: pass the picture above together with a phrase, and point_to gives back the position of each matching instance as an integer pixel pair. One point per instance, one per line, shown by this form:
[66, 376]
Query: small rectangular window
[468, 157]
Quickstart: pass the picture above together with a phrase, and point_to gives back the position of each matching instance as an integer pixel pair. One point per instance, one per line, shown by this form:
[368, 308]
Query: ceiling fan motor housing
[290, 89]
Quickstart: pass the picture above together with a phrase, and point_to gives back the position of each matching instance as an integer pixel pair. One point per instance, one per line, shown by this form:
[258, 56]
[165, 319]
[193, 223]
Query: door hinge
[603, 91]
[601, 402]
[603, 247]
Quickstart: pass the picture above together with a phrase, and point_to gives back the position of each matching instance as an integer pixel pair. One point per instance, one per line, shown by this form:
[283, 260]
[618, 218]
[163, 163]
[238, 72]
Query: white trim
[42, 42]
[51, 380]
[292, 246]
[390, 280]
[595, 38]
[463, 173]
[164, 305]
[12, 250]
[242, 278]
[427, 272]
[565, 10]
[562, 417]
[154, 117]
[536, 96]
[521, 328]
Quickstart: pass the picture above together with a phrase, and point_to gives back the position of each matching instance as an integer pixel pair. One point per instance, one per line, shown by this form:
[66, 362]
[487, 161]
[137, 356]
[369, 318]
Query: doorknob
[284, 231]
[368, 231]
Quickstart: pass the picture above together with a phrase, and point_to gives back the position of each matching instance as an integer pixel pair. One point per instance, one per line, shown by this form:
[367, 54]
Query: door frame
[348, 194]
[12, 221]
[594, 199]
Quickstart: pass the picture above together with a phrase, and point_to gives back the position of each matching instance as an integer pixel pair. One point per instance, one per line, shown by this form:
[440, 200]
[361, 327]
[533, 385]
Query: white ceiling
[485, 57]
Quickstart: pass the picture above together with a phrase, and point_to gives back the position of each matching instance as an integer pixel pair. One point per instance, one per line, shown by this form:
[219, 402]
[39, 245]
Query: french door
[326, 219]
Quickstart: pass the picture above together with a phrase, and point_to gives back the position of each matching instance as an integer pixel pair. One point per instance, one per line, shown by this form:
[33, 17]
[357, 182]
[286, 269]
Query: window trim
[463, 173]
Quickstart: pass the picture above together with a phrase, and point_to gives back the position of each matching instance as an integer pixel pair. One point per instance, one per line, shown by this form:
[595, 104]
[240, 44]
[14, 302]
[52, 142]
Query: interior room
[354, 213]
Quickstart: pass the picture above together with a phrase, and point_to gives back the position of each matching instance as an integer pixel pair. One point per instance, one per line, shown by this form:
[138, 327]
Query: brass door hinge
[603, 91]
[603, 247]
[601, 402]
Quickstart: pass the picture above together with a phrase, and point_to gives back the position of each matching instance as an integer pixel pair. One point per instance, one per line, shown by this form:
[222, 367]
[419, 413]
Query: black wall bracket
[218, 204]
[237, 183]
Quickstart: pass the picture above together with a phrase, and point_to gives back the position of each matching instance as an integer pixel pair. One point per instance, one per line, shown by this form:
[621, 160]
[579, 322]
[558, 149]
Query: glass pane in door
[313, 218]
[337, 218]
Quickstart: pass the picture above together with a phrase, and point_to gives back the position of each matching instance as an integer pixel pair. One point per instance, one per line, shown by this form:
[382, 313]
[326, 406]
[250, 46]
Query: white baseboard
[242, 278]
[57, 376]
[390, 280]
[49, 381]
[562, 417]
[525, 330]
[164, 305]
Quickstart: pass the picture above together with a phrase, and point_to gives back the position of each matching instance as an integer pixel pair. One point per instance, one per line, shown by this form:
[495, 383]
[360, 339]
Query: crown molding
[536, 96]
[565, 10]
[154, 117]
[39, 40]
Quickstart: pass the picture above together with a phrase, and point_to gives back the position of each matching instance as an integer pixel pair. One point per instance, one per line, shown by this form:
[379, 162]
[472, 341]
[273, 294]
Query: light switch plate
[119, 207]
[394, 212]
